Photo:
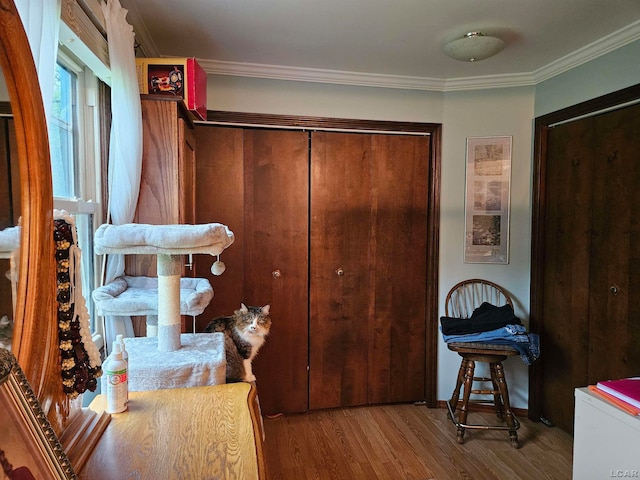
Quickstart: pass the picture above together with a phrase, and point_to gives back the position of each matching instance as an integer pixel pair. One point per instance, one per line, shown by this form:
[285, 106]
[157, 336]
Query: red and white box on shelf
[176, 76]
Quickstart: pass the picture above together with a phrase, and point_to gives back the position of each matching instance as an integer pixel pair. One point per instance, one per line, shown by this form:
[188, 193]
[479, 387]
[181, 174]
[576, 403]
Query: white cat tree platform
[9, 241]
[168, 243]
[9, 245]
[138, 296]
[200, 361]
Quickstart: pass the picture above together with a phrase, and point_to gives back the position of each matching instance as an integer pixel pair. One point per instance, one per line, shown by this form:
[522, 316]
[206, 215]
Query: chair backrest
[468, 295]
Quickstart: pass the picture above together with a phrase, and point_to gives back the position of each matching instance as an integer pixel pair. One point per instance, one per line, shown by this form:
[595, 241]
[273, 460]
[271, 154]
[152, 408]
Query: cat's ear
[265, 309]
[243, 308]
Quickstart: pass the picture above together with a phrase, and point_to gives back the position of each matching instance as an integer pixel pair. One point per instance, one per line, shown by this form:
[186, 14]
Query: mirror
[34, 341]
[35, 332]
[9, 216]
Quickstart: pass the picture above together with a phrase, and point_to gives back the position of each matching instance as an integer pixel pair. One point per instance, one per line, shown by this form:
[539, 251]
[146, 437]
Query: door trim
[610, 101]
[434, 130]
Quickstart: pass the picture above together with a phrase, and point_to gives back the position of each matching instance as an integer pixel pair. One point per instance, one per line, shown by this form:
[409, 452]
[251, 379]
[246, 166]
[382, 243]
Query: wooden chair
[461, 300]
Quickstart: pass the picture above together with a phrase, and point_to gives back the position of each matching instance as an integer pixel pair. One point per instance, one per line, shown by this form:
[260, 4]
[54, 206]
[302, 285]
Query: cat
[245, 332]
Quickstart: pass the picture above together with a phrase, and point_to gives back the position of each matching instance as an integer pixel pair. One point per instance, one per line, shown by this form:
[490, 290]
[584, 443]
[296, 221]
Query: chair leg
[455, 397]
[497, 395]
[504, 393]
[464, 408]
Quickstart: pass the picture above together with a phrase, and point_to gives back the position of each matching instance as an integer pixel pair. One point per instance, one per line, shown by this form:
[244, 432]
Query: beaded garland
[80, 358]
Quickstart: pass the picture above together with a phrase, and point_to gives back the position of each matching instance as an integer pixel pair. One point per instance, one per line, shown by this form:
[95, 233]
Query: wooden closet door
[219, 198]
[397, 359]
[341, 295]
[614, 303]
[592, 251]
[276, 264]
[256, 181]
[368, 269]
[9, 206]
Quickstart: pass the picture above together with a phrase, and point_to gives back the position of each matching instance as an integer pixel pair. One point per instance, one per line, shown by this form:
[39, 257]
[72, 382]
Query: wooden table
[194, 433]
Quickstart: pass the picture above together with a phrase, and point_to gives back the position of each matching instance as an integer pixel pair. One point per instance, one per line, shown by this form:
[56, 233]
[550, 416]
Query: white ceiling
[395, 43]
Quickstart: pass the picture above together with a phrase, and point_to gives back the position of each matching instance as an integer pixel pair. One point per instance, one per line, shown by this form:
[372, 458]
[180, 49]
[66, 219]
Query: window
[75, 163]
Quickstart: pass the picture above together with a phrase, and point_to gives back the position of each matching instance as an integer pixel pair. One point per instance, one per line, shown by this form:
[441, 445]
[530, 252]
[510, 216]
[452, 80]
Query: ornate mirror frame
[34, 343]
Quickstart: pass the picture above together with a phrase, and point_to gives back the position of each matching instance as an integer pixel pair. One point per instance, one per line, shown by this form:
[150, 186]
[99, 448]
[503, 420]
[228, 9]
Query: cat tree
[168, 243]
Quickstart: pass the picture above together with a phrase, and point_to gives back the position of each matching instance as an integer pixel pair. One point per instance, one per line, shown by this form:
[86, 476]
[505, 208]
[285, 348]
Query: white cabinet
[606, 439]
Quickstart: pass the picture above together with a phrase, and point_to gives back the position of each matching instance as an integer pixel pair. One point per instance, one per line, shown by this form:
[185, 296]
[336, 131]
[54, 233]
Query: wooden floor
[407, 442]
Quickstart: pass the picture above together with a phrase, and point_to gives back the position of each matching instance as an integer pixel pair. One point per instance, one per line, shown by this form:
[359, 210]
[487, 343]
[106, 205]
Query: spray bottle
[116, 372]
[125, 357]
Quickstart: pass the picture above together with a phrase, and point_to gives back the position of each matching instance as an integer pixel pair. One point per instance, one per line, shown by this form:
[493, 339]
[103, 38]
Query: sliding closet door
[368, 268]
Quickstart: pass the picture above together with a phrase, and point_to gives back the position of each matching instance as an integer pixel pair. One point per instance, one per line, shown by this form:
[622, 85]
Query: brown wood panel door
[9, 175]
[256, 182]
[397, 359]
[6, 201]
[592, 254]
[565, 342]
[341, 295]
[368, 268]
[219, 198]
[276, 261]
[614, 281]
[9, 207]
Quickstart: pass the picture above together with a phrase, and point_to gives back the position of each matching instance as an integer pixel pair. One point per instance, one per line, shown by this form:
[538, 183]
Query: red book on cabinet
[627, 407]
[627, 389]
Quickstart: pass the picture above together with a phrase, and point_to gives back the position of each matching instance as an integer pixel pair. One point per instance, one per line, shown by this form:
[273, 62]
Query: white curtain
[41, 21]
[125, 150]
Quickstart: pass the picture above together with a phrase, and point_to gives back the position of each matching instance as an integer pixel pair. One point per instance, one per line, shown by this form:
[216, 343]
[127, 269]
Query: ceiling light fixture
[473, 47]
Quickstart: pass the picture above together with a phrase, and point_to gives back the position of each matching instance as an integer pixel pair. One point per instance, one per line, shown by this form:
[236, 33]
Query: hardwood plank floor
[409, 442]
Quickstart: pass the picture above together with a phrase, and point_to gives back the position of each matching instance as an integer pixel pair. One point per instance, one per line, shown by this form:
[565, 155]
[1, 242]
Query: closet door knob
[276, 274]
[340, 272]
[614, 289]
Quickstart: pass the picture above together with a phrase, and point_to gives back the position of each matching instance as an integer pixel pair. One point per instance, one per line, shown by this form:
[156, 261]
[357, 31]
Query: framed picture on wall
[487, 198]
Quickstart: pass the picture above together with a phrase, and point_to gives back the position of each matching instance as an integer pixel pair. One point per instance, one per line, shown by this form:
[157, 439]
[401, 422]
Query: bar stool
[461, 300]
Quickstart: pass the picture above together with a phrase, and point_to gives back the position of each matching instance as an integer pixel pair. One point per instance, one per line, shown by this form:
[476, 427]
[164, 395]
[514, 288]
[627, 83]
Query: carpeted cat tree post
[168, 243]
[169, 273]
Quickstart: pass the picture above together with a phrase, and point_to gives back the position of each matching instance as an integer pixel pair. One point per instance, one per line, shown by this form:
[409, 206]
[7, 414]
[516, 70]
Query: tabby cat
[244, 333]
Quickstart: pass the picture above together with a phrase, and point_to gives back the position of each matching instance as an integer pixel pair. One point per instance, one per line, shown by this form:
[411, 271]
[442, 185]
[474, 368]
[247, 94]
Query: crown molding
[489, 81]
[316, 75]
[607, 44]
[276, 72]
[145, 46]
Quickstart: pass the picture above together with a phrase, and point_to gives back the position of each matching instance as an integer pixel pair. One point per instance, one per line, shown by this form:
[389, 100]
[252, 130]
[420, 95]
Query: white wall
[606, 74]
[251, 95]
[486, 113]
